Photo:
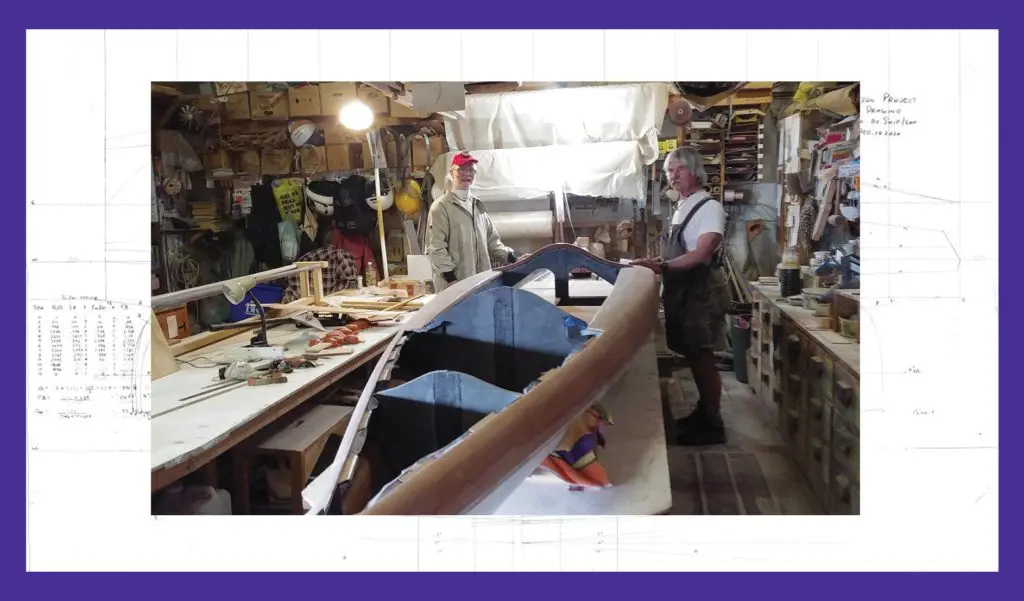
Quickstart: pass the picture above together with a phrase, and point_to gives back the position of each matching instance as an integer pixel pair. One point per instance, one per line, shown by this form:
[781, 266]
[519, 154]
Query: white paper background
[929, 381]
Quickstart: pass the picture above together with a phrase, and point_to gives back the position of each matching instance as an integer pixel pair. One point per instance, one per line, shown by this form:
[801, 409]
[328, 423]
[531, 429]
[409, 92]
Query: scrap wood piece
[163, 362]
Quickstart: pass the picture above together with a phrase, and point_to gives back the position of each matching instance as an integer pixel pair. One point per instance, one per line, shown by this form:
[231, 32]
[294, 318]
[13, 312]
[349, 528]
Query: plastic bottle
[371, 274]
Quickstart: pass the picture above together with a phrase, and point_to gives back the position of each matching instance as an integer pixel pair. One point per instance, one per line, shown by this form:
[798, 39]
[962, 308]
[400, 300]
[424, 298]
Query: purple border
[528, 14]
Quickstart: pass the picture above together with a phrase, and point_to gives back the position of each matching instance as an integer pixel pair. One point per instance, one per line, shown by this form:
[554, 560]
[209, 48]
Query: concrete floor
[751, 474]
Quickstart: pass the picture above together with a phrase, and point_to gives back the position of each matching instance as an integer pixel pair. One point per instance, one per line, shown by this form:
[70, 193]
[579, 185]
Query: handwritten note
[87, 362]
[889, 115]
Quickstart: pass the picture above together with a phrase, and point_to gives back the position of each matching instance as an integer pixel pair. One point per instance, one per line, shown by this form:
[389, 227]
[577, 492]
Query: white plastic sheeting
[608, 169]
[565, 116]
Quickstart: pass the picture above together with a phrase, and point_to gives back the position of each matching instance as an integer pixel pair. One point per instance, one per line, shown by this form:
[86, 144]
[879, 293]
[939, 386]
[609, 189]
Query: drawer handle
[817, 366]
[816, 449]
[794, 379]
[845, 393]
[794, 421]
[844, 488]
[817, 411]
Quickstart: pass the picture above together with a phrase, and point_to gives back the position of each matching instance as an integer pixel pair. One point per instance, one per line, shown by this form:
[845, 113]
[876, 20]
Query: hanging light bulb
[356, 116]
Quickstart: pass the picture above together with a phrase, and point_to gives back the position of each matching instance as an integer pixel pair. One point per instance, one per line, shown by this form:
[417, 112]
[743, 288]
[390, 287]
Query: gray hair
[691, 159]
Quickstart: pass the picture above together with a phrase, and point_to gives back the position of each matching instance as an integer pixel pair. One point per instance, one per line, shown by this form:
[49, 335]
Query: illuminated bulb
[356, 116]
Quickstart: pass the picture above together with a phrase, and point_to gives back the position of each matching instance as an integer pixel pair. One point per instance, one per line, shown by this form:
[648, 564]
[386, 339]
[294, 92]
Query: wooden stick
[403, 303]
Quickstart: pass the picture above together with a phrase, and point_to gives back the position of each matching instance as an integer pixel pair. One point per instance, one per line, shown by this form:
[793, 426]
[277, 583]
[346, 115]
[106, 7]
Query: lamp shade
[236, 289]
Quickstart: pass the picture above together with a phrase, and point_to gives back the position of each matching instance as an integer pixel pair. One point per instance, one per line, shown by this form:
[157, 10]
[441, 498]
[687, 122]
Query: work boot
[700, 429]
[694, 417]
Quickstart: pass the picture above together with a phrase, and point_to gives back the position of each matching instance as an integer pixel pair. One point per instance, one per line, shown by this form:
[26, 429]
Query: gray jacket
[461, 241]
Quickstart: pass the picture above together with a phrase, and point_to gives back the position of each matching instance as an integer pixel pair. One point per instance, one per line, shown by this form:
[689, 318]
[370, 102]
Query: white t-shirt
[710, 219]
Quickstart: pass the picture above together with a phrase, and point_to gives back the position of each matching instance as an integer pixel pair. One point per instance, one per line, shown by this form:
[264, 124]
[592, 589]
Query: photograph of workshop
[514, 298]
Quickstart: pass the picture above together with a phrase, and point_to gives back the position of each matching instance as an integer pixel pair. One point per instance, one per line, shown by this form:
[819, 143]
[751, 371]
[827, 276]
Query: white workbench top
[185, 432]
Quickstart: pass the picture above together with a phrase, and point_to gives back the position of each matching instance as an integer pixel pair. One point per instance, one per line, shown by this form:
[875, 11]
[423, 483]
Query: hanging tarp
[608, 170]
[562, 117]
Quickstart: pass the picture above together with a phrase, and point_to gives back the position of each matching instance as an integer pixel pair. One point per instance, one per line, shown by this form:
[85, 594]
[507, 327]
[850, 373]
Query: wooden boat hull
[498, 374]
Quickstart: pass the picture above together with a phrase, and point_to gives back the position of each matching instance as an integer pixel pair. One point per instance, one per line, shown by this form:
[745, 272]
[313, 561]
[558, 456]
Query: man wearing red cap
[461, 240]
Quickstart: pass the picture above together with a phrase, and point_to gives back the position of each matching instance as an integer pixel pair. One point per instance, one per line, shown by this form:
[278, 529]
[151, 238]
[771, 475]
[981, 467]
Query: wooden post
[318, 287]
[312, 282]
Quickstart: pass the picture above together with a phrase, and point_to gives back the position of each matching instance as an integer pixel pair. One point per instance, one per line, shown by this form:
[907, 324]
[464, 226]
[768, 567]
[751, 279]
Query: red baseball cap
[463, 158]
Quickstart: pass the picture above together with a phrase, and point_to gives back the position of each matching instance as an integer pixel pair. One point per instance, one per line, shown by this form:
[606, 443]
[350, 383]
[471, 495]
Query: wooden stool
[299, 443]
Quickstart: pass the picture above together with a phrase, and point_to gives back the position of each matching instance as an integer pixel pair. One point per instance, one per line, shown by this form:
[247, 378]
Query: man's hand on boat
[652, 264]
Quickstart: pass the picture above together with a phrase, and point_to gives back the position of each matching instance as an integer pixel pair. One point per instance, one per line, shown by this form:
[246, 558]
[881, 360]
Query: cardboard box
[419, 151]
[340, 157]
[304, 102]
[276, 162]
[217, 161]
[313, 159]
[333, 96]
[249, 162]
[400, 111]
[336, 133]
[237, 107]
[366, 157]
[390, 154]
[223, 88]
[268, 105]
[373, 98]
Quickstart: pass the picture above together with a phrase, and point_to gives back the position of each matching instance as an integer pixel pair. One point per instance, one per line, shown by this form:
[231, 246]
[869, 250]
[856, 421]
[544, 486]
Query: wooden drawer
[753, 371]
[793, 353]
[845, 444]
[846, 395]
[844, 493]
[174, 322]
[818, 465]
[819, 417]
[821, 371]
[794, 416]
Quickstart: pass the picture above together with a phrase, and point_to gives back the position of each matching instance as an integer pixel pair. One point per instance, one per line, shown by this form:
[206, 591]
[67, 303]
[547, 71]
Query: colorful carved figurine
[575, 459]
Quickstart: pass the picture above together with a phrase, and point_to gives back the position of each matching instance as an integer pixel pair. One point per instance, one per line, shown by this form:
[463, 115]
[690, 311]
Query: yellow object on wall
[288, 195]
[409, 199]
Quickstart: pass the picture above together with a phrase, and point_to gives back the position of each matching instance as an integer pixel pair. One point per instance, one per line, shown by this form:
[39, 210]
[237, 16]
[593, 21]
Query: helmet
[301, 131]
[409, 200]
[321, 197]
[387, 195]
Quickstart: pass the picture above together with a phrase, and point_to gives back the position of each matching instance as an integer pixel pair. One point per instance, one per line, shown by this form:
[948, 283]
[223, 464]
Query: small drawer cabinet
[818, 402]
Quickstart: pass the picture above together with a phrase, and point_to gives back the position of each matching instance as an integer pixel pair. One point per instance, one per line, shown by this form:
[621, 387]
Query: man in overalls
[695, 292]
[461, 239]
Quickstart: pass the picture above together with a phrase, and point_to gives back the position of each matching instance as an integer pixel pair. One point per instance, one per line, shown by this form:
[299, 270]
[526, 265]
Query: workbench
[187, 438]
[636, 455]
[811, 374]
